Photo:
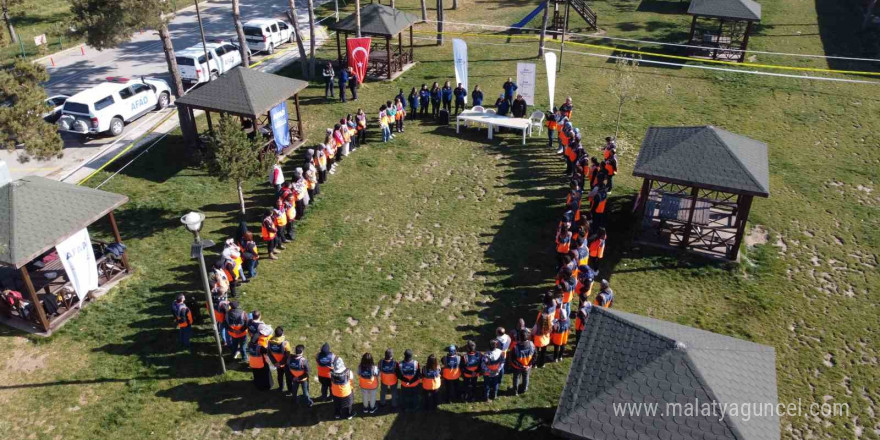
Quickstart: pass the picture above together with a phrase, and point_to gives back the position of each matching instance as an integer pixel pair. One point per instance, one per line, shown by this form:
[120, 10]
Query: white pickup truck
[109, 105]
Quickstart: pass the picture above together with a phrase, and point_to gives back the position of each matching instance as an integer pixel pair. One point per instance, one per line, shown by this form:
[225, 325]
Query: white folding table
[492, 121]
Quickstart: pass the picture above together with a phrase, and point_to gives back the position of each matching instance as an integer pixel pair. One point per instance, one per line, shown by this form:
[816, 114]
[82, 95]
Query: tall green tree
[239, 31]
[108, 23]
[22, 104]
[623, 85]
[235, 157]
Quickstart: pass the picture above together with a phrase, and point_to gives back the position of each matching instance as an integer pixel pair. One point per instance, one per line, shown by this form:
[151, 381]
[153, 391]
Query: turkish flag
[359, 56]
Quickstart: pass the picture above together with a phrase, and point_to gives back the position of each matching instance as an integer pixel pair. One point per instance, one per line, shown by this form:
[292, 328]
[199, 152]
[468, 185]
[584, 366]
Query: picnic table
[673, 207]
[492, 120]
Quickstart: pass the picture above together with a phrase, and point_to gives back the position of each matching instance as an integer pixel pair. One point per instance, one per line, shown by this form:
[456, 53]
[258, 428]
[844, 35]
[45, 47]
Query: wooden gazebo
[384, 23]
[248, 94]
[722, 27]
[36, 215]
[698, 188]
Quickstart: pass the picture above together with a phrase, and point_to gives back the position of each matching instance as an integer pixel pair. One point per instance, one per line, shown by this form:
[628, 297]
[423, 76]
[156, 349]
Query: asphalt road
[78, 68]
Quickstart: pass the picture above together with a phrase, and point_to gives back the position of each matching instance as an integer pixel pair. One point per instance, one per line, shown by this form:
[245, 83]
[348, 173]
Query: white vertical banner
[550, 62]
[525, 81]
[78, 259]
[460, 58]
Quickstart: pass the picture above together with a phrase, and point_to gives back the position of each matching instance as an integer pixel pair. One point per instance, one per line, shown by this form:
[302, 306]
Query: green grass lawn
[435, 238]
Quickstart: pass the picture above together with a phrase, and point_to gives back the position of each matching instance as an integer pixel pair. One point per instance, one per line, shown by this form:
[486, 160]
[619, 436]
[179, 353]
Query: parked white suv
[109, 105]
[222, 57]
[264, 35]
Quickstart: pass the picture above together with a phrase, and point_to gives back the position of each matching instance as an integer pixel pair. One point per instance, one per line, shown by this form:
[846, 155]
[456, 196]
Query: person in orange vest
[598, 199]
[290, 215]
[565, 286]
[320, 161]
[269, 234]
[492, 366]
[594, 173]
[311, 175]
[450, 365]
[236, 325]
[298, 374]
[605, 297]
[341, 388]
[470, 365]
[258, 358]
[609, 146]
[388, 373]
[251, 255]
[410, 379]
[221, 307]
[431, 382]
[184, 320]
[566, 108]
[559, 333]
[541, 336]
[368, 379]
[521, 362]
[550, 119]
[611, 168]
[563, 241]
[361, 120]
[583, 315]
[585, 278]
[279, 350]
[325, 360]
[279, 213]
[597, 248]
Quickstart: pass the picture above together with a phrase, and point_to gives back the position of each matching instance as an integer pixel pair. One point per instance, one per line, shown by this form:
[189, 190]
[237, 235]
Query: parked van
[264, 35]
[222, 57]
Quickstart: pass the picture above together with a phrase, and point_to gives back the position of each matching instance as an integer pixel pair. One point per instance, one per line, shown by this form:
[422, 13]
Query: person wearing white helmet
[341, 389]
[258, 357]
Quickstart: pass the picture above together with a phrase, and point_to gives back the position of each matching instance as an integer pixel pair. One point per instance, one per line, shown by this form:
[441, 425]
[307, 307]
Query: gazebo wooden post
[644, 193]
[299, 121]
[690, 221]
[745, 42]
[41, 314]
[411, 59]
[400, 49]
[743, 206]
[693, 28]
[338, 48]
[718, 39]
[210, 124]
[388, 52]
[119, 240]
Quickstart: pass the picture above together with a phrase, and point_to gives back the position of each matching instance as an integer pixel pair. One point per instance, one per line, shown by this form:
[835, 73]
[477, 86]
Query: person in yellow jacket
[341, 388]
[368, 379]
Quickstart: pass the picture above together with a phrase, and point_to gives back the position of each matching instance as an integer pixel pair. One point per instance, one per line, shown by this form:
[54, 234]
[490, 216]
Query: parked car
[109, 105]
[222, 57]
[56, 104]
[264, 35]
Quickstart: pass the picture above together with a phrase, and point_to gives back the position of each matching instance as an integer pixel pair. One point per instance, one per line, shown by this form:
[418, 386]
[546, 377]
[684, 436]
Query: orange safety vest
[597, 248]
[471, 364]
[297, 367]
[324, 370]
[431, 379]
[559, 338]
[600, 208]
[551, 124]
[186, 320]
[367, 380]
[541, 340]
[266, 233]
[609, 168]
[563, 245]
[563, 137]
[341, 390]
[280, 219]
[278, 350]
[415, 369]
[388, 372]
[522, 359]
[256, 360]
[579, 324]
[567, 295]
[451, 370]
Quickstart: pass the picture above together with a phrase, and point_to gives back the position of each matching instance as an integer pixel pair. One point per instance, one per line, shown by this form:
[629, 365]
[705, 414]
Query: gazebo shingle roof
[378, 19]
[624, 358]
[243, 92]
[706, 157]
[737, 9]
[38, 213]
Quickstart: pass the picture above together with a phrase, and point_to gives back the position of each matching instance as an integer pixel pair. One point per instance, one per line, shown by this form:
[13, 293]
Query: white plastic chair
[478, 108]
[491, 111]
[537, 120]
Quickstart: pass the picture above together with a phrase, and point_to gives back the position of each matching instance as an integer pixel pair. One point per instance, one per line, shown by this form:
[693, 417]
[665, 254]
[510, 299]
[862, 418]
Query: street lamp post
[193, 222]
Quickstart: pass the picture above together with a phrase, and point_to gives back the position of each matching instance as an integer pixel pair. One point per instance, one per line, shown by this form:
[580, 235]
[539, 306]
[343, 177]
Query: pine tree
[23, 101]
[233, 156]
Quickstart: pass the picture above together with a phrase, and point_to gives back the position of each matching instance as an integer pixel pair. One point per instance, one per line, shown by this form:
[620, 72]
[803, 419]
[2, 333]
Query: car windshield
[253, 31]
[76, 107]
[184, 61]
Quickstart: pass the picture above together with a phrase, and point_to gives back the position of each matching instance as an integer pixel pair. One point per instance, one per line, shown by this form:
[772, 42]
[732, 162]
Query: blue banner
[280, 126]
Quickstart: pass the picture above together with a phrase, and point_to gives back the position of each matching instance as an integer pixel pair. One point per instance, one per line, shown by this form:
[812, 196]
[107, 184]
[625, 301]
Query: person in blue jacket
[477, 95]
[435, 100]
[509, 90]
[400, 96]
[502, 106]
[413, 102]
[460, 93]
[424, 97]
[446, 95]
[343, 81]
